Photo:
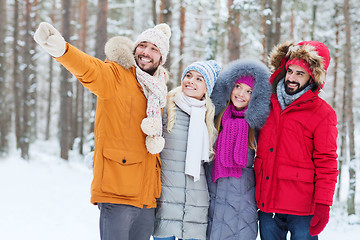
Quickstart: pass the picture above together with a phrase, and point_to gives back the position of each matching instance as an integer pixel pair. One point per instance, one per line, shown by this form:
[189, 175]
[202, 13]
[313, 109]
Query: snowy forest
[42, 103]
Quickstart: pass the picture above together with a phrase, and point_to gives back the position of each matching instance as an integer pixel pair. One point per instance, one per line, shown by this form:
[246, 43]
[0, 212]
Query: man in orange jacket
[130, 86]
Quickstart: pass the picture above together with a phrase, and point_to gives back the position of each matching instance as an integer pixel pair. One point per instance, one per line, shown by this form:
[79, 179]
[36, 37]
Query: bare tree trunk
[75, 17]
[349, 110]
[277, 36]
[101, 38]
[51, 70]
[49, 99]
[15, 75]
[234, 31]
[33, 76]
[292, 24]
[314, 10]
[166, 17]
[154, 14]
[343, 146]
[101, 29]
[182, 42]
[4, 109]
[269, 36]
[336, 55]
[65, 89]
[264, 28]
[28, 81]
[334, 105]
[80, 89]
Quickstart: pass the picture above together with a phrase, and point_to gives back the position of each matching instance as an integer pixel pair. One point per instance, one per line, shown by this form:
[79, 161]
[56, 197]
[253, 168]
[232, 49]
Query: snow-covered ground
[47, 198]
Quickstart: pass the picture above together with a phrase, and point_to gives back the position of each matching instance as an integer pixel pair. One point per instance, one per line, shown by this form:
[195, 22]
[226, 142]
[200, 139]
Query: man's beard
[299, 89]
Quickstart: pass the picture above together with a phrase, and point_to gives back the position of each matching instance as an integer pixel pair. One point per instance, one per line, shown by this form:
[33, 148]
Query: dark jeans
[276, 227]
[125, 222]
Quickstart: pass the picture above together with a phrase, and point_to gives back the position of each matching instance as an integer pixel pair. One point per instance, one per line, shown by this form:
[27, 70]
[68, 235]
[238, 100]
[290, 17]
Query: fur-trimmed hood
[316, 54]
[259, 105]
[119, 49]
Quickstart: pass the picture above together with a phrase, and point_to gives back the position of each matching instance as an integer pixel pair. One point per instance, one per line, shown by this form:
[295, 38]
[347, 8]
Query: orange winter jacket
[124, 171]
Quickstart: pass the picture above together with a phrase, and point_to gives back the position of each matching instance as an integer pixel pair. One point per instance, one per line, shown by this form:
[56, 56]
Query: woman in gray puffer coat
[189, 133]
[241, 97]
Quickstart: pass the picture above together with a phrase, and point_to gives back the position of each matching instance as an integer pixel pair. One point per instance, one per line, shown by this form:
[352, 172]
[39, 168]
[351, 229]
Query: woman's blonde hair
[209, 116]
[251, 133]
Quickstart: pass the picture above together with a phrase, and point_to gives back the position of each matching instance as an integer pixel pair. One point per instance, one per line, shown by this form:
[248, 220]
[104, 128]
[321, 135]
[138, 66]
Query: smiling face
[147, 57]
[241, 95]
[193, 85]
[296, 79]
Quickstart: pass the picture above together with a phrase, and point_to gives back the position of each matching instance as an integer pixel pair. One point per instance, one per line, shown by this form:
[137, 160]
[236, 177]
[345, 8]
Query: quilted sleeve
[325, 159]
[98, 76]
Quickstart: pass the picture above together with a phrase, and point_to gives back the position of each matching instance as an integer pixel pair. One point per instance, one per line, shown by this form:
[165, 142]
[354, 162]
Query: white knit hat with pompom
[159, 36]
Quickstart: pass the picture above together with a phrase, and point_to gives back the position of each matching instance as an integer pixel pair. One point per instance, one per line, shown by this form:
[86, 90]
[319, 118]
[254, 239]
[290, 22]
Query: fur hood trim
[259, 105]
[119, 49]
[289, 50]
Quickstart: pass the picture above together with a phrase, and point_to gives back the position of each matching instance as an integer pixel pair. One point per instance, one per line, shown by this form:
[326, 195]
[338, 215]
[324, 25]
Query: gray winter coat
[233, 211]
[182, 209]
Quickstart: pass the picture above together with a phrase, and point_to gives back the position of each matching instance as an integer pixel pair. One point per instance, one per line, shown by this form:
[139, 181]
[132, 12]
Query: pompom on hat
[208, 69]
[159, 36]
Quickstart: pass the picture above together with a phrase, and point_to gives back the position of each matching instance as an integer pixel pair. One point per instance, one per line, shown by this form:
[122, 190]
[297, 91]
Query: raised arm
[101, 78]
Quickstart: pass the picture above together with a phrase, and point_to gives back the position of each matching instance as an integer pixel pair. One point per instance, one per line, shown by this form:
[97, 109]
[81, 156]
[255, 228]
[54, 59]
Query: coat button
[267, 177]
[262, 204]
[124, 160]
[271, 149]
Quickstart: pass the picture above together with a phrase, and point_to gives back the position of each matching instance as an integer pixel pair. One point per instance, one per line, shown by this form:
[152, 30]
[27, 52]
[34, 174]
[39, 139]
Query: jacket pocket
[295, 190]
[123, 172]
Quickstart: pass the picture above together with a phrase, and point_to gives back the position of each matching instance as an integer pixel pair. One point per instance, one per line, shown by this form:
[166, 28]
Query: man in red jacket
[296, 163]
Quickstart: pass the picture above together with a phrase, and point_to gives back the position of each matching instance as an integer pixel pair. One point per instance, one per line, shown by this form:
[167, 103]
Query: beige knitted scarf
[155, 91]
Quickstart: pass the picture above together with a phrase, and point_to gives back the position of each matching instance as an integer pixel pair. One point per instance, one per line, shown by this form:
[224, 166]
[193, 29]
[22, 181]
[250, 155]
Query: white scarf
[155, 91]
[198, 136]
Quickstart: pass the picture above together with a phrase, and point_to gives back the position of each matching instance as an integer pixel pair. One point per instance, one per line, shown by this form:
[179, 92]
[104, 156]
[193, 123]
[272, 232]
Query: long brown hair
[251, 133]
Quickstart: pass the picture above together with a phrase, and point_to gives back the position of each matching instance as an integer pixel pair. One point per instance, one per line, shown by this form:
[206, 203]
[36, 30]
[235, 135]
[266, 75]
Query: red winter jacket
[296, 162]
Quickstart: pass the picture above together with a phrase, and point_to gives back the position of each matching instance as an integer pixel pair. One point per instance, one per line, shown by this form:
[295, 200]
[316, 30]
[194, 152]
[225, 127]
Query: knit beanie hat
[248, 80]
[208, 69]
[159, 36]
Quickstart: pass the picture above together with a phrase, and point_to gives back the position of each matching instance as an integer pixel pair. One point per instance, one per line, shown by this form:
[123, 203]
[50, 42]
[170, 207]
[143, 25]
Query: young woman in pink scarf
[241, 97]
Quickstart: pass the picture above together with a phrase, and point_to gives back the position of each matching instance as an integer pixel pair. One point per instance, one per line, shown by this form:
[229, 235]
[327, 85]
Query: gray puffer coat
[182, 209]
[233, 211]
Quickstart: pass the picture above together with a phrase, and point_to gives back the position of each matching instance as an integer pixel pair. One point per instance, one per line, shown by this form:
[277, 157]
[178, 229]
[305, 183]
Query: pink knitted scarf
[231, 146]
